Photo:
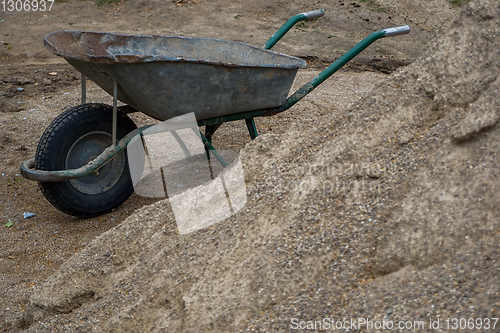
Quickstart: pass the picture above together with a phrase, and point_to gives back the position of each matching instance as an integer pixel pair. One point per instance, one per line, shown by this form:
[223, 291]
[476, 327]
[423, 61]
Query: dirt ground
[36, 86]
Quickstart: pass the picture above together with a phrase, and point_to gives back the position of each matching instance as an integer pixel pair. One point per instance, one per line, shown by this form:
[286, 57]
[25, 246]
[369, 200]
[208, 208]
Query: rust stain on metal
[110, 48]
[271, 112]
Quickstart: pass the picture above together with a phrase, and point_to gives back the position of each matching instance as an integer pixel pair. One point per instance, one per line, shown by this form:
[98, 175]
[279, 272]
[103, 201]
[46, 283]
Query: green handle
[308, 87]
[289, 24]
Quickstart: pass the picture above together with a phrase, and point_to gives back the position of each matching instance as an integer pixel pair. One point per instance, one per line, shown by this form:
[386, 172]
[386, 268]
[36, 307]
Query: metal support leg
[209, 148]
[208, 136]
[115, 110]
[209, 132]
[84, 89]
[251, 128]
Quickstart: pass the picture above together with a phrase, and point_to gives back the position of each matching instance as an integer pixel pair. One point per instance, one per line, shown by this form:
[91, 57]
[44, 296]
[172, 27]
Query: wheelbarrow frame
[211, 124]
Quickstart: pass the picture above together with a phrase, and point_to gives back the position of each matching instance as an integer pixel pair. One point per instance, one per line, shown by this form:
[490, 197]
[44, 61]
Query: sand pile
[388, 211]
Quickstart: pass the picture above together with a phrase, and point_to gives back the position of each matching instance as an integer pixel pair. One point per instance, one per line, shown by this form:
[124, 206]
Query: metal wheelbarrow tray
[80, 162]
[165, 77]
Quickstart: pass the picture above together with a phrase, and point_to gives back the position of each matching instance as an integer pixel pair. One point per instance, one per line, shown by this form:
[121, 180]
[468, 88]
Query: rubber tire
[54, 146]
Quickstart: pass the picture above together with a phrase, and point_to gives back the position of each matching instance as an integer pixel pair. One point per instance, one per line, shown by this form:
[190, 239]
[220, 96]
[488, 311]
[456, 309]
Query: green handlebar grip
[289, 24]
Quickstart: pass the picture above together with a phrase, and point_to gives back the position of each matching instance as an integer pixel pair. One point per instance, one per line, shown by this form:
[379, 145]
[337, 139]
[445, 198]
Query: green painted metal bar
[348, 56]
[211, 148]
[210, 130]
[289, 24]
[27, 168]
[208, 134]
[28, 171]
[251, 128]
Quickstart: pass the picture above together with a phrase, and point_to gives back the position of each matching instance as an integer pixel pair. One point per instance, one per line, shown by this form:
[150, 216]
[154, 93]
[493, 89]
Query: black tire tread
[49, 138]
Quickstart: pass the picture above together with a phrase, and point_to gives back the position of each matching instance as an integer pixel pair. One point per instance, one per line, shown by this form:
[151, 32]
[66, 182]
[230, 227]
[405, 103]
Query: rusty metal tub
[165, 77]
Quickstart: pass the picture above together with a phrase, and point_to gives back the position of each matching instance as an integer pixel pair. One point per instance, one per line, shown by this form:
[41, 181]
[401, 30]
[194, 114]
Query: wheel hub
[85, 149]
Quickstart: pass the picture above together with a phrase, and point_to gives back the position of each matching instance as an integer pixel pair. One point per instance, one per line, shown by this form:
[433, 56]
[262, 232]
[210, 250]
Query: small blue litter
[27, 215]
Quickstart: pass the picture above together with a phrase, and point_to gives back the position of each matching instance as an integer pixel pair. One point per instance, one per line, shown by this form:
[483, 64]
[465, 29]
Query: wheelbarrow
[80, 162]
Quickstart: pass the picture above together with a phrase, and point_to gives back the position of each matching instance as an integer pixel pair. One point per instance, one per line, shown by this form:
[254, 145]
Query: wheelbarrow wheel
[74, 138]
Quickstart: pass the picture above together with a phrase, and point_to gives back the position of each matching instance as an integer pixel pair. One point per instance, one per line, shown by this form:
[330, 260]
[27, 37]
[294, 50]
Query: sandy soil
[36, 86]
